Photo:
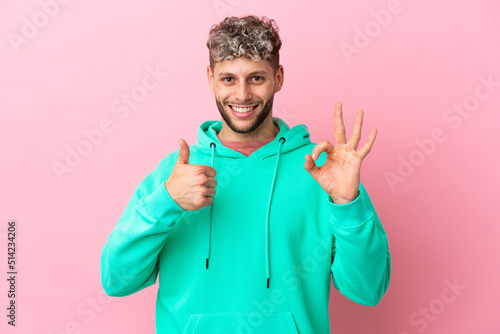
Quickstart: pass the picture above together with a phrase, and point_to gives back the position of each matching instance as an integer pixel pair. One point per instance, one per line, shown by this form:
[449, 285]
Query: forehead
[242, 66]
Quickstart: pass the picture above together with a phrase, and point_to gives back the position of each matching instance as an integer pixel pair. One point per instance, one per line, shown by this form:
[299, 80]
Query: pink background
[67, 76]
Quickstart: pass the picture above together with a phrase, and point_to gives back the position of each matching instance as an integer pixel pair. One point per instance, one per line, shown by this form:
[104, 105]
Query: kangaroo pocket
[241, 323]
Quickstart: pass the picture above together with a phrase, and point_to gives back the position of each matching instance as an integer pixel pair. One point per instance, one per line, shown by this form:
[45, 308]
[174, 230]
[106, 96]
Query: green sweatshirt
[259, 259]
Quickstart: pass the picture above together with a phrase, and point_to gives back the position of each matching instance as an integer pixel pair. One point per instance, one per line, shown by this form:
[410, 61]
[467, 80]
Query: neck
[265, 131]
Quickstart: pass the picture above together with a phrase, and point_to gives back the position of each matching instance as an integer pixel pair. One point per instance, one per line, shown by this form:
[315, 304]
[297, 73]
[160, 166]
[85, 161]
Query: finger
[368, 144]
[209, 201]
[310, 165]
[211, 183]
[210, 192]
[183, 157]
[209, 171]
[339, 125]
[356, 133]
[323, 146]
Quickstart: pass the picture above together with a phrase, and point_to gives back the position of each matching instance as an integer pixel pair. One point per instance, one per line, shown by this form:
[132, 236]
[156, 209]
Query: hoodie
[261, 258]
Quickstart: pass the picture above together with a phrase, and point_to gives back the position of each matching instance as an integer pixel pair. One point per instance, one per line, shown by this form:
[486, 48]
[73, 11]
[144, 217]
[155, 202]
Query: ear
[210, 77]
[278, 79]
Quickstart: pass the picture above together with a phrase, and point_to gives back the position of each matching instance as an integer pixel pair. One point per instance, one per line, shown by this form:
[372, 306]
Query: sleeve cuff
[159, 203]
[351, 214]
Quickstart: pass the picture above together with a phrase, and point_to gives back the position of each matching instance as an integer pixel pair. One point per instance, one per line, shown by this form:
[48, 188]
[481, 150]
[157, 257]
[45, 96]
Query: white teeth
[242, 110]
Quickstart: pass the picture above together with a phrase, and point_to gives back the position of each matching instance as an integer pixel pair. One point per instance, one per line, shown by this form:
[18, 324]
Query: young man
[246, 227]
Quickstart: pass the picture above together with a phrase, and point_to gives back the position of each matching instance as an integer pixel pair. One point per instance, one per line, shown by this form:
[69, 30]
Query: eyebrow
[223, 74]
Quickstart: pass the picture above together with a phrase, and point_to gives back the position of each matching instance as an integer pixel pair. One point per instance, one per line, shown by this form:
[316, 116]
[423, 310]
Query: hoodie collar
[295, 137]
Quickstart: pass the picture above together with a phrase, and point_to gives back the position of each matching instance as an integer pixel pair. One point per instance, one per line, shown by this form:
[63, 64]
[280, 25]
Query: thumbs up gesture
[191, 186]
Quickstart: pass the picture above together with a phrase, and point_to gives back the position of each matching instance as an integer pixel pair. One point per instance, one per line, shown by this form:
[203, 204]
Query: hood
[286, 140]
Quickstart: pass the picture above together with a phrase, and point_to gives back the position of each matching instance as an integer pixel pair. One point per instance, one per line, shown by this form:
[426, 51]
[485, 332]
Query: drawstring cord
[268, 258]
[212, 145]
[267, 236]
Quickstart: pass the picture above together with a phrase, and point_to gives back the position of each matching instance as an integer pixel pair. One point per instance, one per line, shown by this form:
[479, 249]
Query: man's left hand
[339, 176]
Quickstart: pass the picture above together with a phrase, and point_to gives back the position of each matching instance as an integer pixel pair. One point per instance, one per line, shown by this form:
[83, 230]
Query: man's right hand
[191, 186]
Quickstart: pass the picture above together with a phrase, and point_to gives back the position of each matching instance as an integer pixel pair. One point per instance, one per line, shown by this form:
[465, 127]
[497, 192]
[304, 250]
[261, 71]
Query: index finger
[339, 125]
[209, 171]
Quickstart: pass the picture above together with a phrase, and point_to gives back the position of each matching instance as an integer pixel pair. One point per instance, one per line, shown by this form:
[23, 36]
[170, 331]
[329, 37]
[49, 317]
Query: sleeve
[129, 257]
[361, 267]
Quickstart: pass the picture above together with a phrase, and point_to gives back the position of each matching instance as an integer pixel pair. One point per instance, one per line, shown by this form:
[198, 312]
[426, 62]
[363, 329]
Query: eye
[257, 78]
[227, 79]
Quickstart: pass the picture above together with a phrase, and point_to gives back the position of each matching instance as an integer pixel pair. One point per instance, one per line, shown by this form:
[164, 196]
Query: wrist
[342, 200]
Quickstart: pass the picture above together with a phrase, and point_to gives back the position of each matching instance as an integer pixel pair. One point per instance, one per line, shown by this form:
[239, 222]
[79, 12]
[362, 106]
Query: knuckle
[200, 169]
[324, 142]
[201, 201]
[202, 179]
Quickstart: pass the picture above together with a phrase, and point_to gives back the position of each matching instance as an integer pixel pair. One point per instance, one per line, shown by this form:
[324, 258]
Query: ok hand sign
[339, 176]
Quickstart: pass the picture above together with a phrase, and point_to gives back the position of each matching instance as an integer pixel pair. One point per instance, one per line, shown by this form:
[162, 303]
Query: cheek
[267, 93]
[222, 94]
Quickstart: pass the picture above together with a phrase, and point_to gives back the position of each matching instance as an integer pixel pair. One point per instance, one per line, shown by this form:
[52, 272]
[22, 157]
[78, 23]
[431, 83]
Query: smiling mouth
[243, 109]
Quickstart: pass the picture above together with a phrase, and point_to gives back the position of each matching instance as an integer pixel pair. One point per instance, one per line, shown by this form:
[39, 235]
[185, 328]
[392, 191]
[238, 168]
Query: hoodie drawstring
[212, 145]
[268, 213]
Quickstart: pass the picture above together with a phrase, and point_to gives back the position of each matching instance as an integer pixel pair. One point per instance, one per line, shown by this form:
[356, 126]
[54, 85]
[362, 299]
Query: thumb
[183, 153]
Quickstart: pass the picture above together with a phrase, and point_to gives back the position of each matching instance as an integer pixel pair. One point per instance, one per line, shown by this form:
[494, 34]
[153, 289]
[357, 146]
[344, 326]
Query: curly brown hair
[248, 37]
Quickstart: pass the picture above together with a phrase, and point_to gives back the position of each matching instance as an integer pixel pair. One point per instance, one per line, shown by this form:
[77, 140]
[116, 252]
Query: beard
[258, 120]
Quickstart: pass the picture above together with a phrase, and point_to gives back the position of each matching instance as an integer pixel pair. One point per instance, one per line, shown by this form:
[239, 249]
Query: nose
[242, 91]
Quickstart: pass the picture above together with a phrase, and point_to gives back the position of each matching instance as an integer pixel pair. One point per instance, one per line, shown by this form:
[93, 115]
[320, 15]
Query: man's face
[244, 91]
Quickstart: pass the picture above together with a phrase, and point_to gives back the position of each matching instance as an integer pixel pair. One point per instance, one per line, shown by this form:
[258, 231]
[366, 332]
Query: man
[243, 232]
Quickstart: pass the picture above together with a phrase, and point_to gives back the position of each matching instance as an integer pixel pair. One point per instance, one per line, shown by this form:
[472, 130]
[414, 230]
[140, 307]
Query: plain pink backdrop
[410, 65]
